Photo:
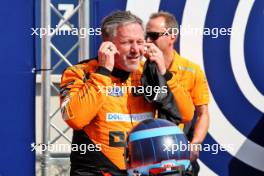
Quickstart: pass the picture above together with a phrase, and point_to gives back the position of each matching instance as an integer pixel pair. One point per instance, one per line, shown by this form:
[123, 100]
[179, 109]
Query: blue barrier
[17, 90]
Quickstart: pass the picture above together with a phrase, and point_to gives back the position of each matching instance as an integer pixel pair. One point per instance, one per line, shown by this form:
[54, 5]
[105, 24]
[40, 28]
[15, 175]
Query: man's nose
[135, 47]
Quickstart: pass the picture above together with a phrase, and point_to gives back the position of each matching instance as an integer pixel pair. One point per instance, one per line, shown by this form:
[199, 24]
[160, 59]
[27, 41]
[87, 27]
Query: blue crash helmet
[153, 148]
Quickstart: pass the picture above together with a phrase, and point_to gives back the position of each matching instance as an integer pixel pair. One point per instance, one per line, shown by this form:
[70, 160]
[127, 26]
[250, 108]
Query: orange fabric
[106, 119]
[192, 79]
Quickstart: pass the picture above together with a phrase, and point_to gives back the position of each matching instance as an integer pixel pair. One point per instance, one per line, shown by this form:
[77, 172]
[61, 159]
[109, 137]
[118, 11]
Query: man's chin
[132, 67]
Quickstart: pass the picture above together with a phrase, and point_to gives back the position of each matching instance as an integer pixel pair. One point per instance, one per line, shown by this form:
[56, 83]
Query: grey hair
[110, 23]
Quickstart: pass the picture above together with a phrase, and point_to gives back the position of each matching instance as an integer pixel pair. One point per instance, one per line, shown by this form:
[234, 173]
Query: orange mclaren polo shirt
[192, 78]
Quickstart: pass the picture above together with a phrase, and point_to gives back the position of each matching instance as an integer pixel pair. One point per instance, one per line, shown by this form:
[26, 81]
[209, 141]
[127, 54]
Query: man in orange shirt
[159, 31]
[95, 105]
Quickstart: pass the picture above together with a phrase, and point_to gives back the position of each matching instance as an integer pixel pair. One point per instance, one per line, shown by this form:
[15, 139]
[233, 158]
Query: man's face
[129, 41]
[163, 41]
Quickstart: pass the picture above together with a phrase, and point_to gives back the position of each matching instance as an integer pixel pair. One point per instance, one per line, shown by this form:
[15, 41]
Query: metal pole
[84, 23]
[45, 84]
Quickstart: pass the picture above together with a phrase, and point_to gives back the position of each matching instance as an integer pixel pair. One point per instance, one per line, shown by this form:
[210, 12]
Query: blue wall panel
[17, 90]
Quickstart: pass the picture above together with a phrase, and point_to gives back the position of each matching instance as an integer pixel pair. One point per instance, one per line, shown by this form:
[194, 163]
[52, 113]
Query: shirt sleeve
[81, 96]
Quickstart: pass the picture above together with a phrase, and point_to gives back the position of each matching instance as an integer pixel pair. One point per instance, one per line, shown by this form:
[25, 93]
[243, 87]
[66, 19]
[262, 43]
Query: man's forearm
[201, 125]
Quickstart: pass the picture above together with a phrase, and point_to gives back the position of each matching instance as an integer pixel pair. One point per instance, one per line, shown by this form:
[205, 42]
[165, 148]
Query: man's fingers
[103, 46]
[151, 50]
[106, 54]
[113, 50]
[109, 48]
